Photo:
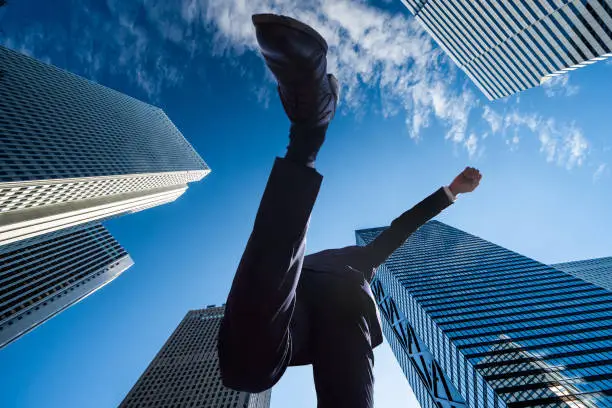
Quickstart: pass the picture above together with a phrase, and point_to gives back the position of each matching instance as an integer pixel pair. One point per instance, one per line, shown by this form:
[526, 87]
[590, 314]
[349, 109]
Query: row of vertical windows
[510, 46]
[50, 299]
[44, 272]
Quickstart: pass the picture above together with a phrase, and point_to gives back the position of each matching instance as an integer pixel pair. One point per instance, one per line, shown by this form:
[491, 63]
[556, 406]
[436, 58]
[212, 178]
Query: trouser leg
[254, 338]
[343, 359]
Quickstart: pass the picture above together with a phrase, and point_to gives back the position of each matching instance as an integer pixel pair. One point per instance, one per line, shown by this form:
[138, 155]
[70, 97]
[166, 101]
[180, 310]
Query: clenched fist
[466, 181]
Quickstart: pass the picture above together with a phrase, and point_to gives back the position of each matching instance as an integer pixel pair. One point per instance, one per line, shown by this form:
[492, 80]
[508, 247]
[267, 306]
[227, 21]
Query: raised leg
[255, 344]
[254, 340]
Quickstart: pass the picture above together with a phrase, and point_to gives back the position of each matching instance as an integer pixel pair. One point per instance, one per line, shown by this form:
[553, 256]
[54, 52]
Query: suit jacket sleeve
[402, 227]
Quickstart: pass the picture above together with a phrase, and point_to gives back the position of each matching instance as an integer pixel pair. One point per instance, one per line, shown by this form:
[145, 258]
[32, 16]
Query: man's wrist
[450, 193]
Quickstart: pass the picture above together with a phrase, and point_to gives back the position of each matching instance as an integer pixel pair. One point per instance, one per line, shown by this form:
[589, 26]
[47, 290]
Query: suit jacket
[359, 264]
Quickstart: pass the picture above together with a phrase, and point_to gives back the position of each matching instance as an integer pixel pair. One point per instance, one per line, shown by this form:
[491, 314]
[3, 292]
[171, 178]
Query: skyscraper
[597, 271]
[474, 324]
[509, 46]
[185, 372]
[73, 151]
[42, 276]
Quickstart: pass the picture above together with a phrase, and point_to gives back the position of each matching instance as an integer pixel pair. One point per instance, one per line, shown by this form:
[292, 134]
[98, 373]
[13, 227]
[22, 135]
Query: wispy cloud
[602, 170]
[103, 39]
[30, 43]
[370, 50]
[472, 145]
[560, 86]
[561, 143]
[495, 120]
[565, 145]
[373, 53]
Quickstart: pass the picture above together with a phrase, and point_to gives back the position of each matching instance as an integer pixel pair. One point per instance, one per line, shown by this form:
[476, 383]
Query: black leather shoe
[297, 56]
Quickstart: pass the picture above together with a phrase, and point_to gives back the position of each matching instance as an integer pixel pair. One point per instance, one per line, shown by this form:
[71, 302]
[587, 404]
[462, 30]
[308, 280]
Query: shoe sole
[289, 22]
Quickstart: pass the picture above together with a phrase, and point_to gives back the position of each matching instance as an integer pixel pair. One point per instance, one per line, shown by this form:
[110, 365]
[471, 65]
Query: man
[285, 309]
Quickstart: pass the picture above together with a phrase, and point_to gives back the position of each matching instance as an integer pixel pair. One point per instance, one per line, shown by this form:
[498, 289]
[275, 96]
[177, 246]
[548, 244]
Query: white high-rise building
[73, 151]
[508, 46]
[42, 276]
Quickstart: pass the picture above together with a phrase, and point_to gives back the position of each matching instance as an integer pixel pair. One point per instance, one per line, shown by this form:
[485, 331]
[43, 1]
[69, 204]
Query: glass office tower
[185, 372]
[597, 271]
[475, 324]
[42, 276]
[509, 46]
[73, 151]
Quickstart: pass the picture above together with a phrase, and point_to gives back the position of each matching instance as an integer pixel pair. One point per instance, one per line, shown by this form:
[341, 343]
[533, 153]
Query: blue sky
[409, 121]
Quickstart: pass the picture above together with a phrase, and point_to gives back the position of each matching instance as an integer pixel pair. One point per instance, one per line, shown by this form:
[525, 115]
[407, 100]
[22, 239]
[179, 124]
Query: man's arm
[377, 251]
[402, 227]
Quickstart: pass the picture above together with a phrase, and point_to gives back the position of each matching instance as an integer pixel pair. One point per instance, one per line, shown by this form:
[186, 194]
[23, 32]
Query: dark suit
[286, 309]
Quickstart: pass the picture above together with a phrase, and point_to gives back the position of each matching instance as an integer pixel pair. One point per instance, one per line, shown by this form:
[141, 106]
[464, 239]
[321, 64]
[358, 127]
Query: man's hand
[466, 181]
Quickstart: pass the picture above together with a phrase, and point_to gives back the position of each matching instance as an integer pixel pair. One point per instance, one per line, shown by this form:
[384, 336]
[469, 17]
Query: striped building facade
[73, 151]
[185, 372]
[42, 276]
[508, 46]
[474, 324]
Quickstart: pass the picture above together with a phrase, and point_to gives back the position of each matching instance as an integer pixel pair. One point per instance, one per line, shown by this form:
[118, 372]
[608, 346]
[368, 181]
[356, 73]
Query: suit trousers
[279, 315]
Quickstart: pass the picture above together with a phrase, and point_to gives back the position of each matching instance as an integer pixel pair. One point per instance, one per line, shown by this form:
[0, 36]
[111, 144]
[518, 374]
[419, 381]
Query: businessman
[285, 309]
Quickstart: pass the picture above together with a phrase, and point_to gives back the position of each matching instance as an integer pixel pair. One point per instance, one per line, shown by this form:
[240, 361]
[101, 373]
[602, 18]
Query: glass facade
[185, 372]
[41, 277]
[56, 125]
[509, 46]
[73, 151]
[597, 271]
[501, 329]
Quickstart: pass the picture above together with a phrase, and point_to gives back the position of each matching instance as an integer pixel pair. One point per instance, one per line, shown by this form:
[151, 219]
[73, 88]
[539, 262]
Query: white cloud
[561, 143]
[372, 52]
[96, 44]
[29, 44]
[471, 144]
[602, 170]
[513, 142]
[565, 144]
[560, 86]
[262, 94]
[515, 120]
[494, 119]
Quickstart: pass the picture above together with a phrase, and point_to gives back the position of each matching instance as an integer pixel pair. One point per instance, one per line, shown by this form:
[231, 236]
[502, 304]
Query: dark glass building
[42, 276]
[185, 372]
[474, 324]
[73, 151]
